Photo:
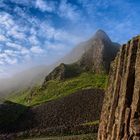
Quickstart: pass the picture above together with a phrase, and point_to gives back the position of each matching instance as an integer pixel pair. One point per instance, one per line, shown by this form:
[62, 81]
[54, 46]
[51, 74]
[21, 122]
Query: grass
[91, 123]
[57, 89]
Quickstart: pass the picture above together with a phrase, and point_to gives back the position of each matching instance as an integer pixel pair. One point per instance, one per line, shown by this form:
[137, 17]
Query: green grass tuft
[91, 123]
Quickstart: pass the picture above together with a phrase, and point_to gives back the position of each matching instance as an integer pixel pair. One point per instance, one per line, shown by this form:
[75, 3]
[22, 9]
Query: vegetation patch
[91, 123]
[71, 137]
[60, 88]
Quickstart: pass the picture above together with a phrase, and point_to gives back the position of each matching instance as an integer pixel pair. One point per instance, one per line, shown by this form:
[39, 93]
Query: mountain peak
[101, 34]
[100, 31]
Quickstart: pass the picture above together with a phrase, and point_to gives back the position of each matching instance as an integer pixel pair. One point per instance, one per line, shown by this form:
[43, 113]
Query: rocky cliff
[100, 52]
[120, 118]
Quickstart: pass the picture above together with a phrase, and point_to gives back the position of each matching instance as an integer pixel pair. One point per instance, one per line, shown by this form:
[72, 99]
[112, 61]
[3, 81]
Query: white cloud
[45, 6]
[11, 61]
[34, 40]
[3, 55]
[25, 38]
[13, 32]
[36, 49]
[23, 2]
[2, 38]
[16, 34]
[68, 10]
[64, 9]
[11, 53]
[25, 51]
[49, 32]
[5, 20]
[14, 45]
[2, 62]
[9, 27]
[55, 46]
[6, 58]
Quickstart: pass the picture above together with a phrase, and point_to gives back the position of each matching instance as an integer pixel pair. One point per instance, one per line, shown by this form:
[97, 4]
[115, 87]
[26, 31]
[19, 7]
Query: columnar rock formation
[120, 118]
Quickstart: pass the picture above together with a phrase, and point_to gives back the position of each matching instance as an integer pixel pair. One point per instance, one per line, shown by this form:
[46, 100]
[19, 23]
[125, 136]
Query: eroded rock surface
[120, 118]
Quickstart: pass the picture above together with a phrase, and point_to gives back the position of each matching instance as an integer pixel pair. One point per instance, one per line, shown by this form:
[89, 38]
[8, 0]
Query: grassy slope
[57, 89]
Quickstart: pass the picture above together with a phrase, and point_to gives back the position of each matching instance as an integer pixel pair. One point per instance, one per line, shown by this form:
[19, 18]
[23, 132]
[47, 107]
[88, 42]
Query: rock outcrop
[100, 52]
[64, 71]
[120, 117]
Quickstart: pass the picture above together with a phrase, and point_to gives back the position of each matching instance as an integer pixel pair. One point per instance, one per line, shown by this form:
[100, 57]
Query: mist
[24, 76]
[35, 75]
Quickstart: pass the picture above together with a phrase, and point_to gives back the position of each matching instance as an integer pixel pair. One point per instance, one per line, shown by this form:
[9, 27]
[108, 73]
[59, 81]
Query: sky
[36, 32]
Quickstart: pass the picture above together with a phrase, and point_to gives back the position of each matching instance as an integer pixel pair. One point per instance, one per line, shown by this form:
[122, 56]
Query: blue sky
[36, 32]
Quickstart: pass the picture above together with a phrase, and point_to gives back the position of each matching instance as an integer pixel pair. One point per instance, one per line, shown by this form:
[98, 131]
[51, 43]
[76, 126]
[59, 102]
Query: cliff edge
[120, 117]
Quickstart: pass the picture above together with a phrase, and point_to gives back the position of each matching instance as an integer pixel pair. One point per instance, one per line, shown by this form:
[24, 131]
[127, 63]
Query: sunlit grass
[57, 89]
[91, 123]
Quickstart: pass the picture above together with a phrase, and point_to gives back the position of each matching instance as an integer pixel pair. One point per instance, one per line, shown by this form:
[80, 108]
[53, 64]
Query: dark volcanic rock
[77, 108]
[120, 117]
[62, 116]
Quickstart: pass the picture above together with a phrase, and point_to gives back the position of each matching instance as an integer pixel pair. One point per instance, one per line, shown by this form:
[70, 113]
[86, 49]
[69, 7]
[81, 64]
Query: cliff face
[100, 53]
[120, 117]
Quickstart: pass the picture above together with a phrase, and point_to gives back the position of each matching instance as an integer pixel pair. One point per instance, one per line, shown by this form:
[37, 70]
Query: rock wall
[120, 117]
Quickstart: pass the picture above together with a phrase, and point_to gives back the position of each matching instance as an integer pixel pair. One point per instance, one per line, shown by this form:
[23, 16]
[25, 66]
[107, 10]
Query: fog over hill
[36, 75]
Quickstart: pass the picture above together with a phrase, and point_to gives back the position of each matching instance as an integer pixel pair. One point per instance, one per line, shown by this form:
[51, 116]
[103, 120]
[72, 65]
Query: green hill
[56, 88]
[69, 100]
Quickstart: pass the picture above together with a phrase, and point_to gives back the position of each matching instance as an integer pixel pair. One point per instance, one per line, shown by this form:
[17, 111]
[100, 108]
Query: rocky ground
[77, 113]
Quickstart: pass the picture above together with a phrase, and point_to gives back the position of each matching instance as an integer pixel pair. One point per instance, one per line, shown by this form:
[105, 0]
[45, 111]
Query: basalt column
[120, 117]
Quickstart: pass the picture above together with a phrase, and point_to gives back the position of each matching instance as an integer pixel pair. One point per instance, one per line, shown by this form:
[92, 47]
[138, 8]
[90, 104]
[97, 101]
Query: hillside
[69, 96]
[98, 50]
[120, 117]
[96, 59]
[57, 89]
